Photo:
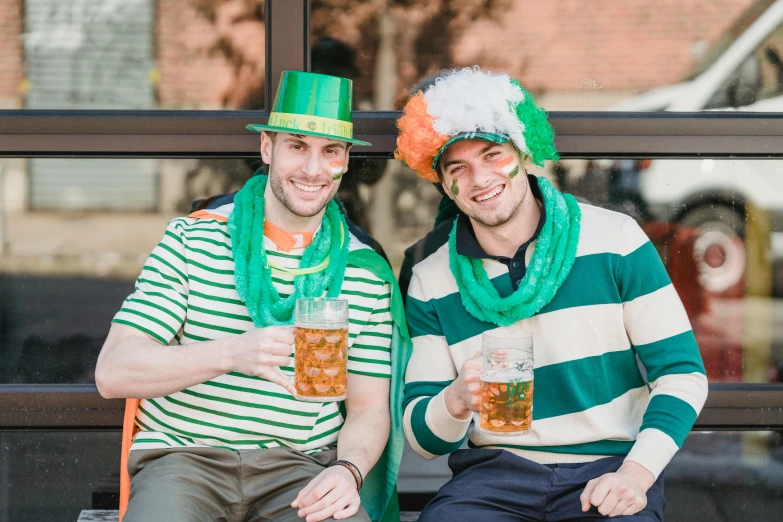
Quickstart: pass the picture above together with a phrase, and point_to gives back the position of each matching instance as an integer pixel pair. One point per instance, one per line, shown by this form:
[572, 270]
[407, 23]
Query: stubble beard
[277, 183]
[500, 221]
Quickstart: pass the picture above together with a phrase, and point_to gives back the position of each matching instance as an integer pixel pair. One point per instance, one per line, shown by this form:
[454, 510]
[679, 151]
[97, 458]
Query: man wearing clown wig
[589, 286]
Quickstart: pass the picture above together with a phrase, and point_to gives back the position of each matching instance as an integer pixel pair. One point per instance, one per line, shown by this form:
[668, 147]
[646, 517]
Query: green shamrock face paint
[454, 187]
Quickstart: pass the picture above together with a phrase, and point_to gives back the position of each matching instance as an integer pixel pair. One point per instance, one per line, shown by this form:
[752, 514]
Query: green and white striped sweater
[186, 294]
[591, 399]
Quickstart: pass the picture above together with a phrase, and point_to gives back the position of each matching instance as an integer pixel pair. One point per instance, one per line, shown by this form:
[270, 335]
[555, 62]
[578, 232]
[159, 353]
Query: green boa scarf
[551, 262]
[252, 273]
[379, 495]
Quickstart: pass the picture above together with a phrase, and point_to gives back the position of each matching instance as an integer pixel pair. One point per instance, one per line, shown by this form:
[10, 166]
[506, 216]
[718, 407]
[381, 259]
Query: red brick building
[10, 53]
[571, 44]
[210, 53]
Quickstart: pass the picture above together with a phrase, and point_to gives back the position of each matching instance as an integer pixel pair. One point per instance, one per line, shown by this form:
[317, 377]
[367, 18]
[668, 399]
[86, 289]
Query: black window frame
[222, 134]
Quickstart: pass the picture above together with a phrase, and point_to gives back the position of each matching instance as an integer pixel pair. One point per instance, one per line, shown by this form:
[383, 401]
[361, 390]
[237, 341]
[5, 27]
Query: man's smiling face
[486, 180]
[304, 171]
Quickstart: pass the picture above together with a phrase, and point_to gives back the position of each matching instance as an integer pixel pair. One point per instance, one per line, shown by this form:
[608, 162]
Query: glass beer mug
[321, 332]
[506, 383]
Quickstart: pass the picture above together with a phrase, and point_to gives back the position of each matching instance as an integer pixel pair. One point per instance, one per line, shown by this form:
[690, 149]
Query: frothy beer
[506, 407]
[319, 368]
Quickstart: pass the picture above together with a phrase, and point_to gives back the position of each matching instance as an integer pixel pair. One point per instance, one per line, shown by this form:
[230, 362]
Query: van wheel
[720, 248]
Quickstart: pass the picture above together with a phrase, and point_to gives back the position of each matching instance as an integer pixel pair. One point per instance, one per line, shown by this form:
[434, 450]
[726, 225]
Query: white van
[743, 72]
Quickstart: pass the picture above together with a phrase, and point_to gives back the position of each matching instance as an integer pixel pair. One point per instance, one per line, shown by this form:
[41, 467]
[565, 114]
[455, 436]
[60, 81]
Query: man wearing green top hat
[205, 342]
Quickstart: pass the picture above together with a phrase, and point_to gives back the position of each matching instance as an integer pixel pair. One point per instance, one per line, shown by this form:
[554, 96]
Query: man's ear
[347, 157]
[266, 148]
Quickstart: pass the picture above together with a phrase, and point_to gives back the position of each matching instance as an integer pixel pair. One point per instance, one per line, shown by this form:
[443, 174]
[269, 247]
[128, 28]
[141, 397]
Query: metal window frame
[222, 134]
[79, 406]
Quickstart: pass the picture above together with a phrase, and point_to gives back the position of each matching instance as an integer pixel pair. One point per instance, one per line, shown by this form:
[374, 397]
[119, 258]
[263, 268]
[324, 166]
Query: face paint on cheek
[336, 168]
[454, 187]
[508, 165]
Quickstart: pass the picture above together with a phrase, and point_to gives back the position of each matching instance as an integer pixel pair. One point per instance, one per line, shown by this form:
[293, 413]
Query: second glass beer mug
[321, 332]
[506, 383]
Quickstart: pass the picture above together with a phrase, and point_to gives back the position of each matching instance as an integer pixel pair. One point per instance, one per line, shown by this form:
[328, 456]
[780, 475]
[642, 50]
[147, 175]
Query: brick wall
[202, 62]
[215, 59]
[211, 59]
[11, 71]
[598, 44]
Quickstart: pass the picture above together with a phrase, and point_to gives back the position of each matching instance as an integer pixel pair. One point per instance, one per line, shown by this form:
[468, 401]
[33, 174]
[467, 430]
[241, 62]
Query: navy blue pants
[495, 485]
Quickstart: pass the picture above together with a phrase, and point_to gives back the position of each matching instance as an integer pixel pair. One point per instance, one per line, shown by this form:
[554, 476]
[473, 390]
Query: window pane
[630, 56]
[54, 475]
[716, 476]
[717, 224]
[132, 55]
[65, 268]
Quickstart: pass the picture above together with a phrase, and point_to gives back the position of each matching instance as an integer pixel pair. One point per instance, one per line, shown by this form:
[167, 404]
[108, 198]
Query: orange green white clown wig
[470, 104]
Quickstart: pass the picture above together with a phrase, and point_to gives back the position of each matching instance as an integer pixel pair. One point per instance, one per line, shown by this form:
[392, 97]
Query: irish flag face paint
[509, 166]
[336, 168]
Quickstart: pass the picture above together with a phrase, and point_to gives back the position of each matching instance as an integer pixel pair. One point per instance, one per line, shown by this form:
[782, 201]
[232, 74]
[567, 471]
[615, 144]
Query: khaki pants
[208, 484]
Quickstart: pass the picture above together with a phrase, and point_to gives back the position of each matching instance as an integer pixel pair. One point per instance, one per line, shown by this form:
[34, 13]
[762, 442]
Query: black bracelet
[350, 466]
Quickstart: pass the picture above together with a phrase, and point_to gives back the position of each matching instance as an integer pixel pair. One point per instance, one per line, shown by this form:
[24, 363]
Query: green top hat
[313, 104]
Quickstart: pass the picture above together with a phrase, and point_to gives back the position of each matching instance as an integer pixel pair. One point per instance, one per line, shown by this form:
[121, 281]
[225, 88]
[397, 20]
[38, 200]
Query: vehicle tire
[720, 246]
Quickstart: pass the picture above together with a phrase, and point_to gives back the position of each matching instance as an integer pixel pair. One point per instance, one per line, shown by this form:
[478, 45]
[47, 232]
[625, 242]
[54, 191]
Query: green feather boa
[252, 274]
[551, 262]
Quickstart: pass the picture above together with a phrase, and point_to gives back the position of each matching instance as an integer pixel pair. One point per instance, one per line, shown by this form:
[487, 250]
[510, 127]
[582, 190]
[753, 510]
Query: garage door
[90, 54]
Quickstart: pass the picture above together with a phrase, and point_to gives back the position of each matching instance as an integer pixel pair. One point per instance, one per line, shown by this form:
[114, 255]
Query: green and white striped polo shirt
[185, 294]
[591, 399]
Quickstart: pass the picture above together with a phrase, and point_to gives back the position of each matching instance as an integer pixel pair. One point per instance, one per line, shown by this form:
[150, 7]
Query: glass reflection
[721, 56]
[52, 476]
[717, 476]
[132, 55]
[717, 225]
[726, 476]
